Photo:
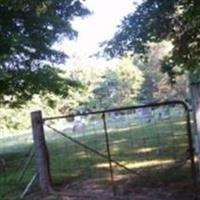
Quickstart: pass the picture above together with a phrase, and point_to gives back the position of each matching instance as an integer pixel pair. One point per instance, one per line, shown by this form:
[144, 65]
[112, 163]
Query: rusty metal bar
[94, 151]
[191, 152]
[119, 109]
[109, 154]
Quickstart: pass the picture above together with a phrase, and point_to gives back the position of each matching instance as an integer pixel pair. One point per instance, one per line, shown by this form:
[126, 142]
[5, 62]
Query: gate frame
[42, 155]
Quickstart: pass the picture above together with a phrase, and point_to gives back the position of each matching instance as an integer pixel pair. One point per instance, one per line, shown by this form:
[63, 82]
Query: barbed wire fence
[16, 174]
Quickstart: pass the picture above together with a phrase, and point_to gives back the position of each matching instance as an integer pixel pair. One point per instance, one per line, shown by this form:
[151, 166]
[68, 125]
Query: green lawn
[151, 147]
[148, 148]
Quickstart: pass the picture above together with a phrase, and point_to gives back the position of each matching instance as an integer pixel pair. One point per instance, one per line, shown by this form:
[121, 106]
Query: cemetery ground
[155, 151]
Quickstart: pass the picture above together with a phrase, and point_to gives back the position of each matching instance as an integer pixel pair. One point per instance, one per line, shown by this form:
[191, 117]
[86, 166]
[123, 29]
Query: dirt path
[90, 190]
[94, 190]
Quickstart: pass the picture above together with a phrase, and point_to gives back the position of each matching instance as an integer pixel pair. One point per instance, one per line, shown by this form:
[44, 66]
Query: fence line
[15, 184]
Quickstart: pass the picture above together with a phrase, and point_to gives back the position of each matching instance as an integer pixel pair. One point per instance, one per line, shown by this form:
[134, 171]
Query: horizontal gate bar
[121, 109]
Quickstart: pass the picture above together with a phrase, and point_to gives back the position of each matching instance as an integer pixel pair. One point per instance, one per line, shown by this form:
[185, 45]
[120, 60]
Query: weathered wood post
[41, 153]
[195, 94]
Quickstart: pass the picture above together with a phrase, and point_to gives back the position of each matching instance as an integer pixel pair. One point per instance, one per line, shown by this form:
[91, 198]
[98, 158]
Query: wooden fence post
[195, 94]
[41, 153]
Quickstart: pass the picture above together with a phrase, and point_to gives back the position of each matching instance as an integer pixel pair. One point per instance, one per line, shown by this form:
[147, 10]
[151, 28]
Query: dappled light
[145, 150]
[151, 163]
[139, 165]
[135, 143]
[99, 99]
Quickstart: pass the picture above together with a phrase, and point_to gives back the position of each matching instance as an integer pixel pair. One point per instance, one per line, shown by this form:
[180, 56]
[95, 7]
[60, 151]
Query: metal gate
[149, 145]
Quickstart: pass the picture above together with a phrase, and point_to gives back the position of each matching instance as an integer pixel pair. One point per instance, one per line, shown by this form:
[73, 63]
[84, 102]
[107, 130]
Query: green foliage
[18, 119]
[28, 29]
[157, 86]
[154, 21]
[119, 86]
[123, 83]
[115, 86]
[24, 83]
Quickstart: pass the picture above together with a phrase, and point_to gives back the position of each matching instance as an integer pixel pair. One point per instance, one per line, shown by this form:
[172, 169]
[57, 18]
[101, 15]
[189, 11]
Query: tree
[156, 85]
[28, 29]
[119, 86]
[110, 86]
[177, 21]
[83, 71]
[15, 119]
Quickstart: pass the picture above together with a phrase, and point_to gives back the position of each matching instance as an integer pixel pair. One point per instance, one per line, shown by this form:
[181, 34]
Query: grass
[152, 148]
[147, 147]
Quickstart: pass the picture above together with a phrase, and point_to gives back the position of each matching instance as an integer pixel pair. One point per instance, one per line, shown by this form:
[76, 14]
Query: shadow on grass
[160, 150]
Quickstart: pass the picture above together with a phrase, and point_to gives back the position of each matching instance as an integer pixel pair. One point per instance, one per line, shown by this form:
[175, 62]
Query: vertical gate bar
[109, 154]
[191, 151]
